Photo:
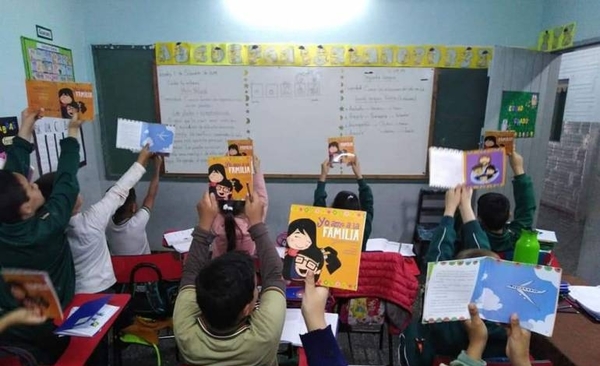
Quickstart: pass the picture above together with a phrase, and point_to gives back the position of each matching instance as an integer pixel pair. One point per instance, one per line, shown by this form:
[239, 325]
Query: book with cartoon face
[476, 168]
[340, 149]
[240, 147]
[33, 289]
[498, 139]
[230, 177]
[498, 288]
[326, 241]
[61, 99]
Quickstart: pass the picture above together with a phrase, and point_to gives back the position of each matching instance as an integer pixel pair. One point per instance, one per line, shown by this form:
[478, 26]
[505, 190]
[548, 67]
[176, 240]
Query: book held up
[60, 100]
[476, 168]
[230, 177]
[498, 139]
[134, 135]
[326, 241]
[240, 147]
[341, 149]
[33, 289]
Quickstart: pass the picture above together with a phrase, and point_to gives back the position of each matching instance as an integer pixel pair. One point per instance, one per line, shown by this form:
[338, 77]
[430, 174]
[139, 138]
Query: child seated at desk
[126, 232]
[86, 230]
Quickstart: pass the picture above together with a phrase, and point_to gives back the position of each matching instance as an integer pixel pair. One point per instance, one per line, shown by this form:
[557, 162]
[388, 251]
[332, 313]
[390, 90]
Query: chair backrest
[431, 206]
[169, 263]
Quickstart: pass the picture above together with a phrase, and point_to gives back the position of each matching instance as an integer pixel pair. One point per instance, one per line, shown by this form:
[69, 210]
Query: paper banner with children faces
[322, 55]
[557, 38]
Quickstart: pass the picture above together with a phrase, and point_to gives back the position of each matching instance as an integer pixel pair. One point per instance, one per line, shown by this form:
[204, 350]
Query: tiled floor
[366, 346]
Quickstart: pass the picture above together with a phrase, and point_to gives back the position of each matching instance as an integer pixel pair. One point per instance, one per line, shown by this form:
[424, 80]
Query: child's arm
[320, 198]
[472, 233]
[260, 187]
[21, 316]
[66, 188]
[365, 196]
[18, 155]
[442, 244]
[99, 214]
[199, 254]
[153, 187]
[524, 195]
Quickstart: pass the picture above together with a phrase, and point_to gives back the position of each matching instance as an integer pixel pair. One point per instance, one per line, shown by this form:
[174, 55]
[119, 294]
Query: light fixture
[295, 14]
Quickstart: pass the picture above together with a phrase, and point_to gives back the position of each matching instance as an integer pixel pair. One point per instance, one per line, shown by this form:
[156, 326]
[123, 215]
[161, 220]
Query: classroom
[400, 76]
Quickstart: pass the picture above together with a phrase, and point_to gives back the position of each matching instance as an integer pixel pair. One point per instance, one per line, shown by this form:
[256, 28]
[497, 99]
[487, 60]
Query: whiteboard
[290, 112]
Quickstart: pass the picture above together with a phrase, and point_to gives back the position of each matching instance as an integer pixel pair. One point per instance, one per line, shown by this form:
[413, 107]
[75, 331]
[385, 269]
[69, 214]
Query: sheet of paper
[547, 236]
[588, 297]
[128, 134]
[180, 240]
[449, 290]
[48, 132]
[407, 250]
[446, 167]
[376, 245]
[294, 326]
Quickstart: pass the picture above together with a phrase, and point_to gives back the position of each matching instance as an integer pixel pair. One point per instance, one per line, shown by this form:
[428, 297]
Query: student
[32, 231]
[348, 200]
[493, 211]
[320, 345]
[21, 316]
[86, 230]
[216, 318]
[517, 345]
[449, 339]
[230, 227]
[126, 232]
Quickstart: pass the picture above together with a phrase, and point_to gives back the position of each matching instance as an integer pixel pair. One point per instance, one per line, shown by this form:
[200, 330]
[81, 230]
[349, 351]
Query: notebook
[294, 326]
[88, 319]
[180, 240]
[134, 135]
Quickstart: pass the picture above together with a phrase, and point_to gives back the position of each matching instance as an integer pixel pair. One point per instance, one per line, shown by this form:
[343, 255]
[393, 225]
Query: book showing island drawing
[499, 288]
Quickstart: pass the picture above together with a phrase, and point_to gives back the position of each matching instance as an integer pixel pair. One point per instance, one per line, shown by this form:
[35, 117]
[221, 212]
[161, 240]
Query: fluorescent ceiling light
[295, 14]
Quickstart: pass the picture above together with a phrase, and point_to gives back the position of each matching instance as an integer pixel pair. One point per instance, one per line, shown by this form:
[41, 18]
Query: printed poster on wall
[44, 61]
[518, 113]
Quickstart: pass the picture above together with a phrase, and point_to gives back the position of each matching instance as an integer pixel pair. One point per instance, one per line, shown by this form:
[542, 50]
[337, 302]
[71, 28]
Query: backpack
[152, 299]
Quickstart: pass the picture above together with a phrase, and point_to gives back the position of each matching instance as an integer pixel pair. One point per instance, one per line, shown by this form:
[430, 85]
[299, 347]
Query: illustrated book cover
[341, 149]
[134, 135]
[240, 147]
[475, 168]
[499, 289]
[498, 139]
[327, 241]
[230, 177]
[61, 99]
[33, 289]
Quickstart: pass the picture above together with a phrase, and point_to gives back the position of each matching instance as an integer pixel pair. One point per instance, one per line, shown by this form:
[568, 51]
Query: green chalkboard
[126, 88]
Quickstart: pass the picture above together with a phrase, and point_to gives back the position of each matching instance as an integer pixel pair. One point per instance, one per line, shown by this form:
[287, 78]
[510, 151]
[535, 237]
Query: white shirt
[86, 235]
[129, 237]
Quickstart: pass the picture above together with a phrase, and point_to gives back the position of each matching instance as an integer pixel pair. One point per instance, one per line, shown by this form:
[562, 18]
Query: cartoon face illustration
[354, 56]
[402, 57]
[271, 55]
[387, 56]
[235, 53]
[216, 173]
[286, 55]
[337, 55]
[234, 150]
[334, 148]
[164, 54]
[490, 142]
[200, 54]
[450, 57]
[483, 60]
[545, 41]
[321, 56]
[65, 96]
[223, 190]
[567, 37]
[304, 263]
[217, 54]
[182, 54]
[254, 54]
[371, 55]
[485, 160]
[419, 54]
[299, 240]
[304, 55]
[467, 57]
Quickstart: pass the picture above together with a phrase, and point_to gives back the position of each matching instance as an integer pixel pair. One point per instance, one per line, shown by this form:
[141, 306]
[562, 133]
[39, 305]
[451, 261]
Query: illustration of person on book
[490, 142]
[303, 254]
[224, 189]
[68, 105]
[335, 152]
[216, 174]
[484, 171]
[22, 296]
[234, 150]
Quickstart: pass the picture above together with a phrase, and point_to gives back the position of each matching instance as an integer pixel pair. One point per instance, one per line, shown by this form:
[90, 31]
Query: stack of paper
[588, 297]
[180, 240]
[294, 326]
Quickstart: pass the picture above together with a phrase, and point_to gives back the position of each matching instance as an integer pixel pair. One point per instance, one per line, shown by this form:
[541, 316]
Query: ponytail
[230, 210]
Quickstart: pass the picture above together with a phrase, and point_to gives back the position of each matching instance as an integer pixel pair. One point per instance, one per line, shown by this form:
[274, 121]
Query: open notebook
[294, 326]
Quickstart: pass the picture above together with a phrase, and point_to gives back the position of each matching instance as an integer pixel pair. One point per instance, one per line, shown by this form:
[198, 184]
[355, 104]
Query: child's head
[216, 173]
[234, 150]
[128, 209]
[334, 147]
[226, 290]
[489, 141]
[19, 199]
[346, 200]
[475, 253]
[46, 184]
[493, 210]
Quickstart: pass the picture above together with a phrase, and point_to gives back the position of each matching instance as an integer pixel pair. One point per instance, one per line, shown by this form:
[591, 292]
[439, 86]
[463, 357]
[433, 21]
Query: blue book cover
[134, 135]
[499, 288]
[83, 314]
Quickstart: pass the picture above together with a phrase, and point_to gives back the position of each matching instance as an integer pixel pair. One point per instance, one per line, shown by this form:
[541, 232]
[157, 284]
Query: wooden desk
[81, 348]
[575, 339]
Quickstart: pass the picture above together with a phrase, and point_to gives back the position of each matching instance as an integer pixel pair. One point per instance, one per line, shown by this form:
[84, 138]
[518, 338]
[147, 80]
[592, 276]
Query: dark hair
[12, 197]
[233, 184]
[490, 138]
[80, 106]
[46, 184]
[307, 226]
[346, 200]
[236, 148]
[122, 212]
[231, 228]
[219, 168]
[224, 287]
[334, 144]
[493, 210]
[68, 92]
[476, 252]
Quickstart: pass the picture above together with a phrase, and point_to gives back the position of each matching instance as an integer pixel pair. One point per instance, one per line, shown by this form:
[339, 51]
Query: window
[559, 110]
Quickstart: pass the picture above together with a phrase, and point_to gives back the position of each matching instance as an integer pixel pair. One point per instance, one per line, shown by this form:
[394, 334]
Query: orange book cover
[240, 147]
[230, 177]
[60, 99]
[496, 139]
[33, 289]
[341, 149]
[327, 241]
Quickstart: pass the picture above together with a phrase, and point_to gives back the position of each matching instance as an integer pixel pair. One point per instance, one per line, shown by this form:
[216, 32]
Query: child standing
[347, 200]
[126, 232]
[231, 225]
[32, 232]
[86, 230]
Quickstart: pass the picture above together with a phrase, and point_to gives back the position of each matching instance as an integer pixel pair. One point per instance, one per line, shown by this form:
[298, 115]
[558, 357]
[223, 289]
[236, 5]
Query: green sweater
[450, 338]
[524, 213]
[365, 196]
[39, 243]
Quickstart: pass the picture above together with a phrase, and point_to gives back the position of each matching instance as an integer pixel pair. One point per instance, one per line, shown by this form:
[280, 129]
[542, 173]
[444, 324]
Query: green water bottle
[527, 248]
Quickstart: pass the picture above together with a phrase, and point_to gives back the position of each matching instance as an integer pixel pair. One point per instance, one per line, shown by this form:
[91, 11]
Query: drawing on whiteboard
[271, 91]
[257, 91]
[321, 56]
[286, 90]
[200, 54]
[307, 84]
[254, 54]
[235, 53]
